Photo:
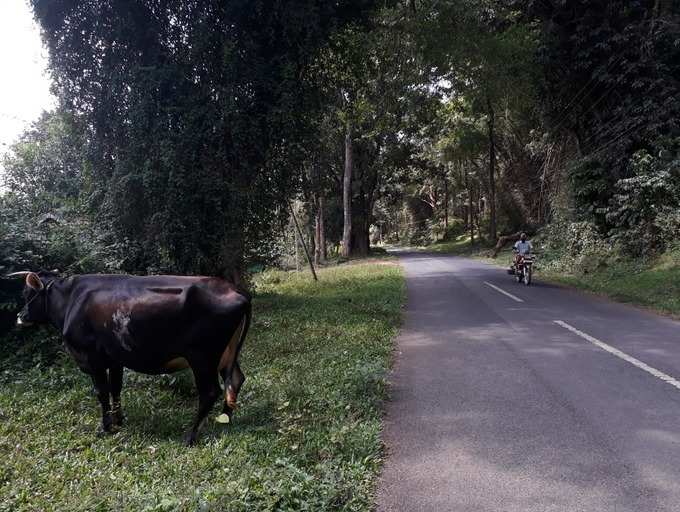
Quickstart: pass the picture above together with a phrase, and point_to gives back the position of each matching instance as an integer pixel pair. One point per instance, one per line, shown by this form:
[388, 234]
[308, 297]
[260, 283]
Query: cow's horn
[18, 274]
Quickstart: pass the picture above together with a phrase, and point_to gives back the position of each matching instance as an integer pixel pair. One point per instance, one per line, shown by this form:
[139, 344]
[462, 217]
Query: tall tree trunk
[302, 241]
[321, 229]
[347, 197]
[297, 252]
[471, 223]
[319, 236]
[492, 173]
[446, 202]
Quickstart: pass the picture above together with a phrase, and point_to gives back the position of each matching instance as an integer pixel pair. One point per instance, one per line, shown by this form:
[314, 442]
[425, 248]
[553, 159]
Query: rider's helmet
[523, 237]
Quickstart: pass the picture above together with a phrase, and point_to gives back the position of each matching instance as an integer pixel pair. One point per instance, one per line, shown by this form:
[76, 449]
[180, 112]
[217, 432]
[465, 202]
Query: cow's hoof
[103, 430]
[118, 418]
[190, 439]
[107, 426]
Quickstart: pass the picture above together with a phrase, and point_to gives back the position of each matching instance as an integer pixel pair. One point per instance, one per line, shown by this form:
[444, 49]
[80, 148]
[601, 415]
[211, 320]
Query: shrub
[455, 229]
[643, 212]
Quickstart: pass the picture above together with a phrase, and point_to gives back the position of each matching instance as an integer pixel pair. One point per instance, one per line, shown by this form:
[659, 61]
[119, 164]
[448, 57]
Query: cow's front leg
[208, 392]
[116, 385]
[101, 384]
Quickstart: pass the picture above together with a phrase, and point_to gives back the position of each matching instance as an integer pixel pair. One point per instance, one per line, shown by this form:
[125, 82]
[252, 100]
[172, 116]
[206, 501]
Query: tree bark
[347, 197]
[492, 173]
[302, 241]
[297, 252]
[320, 237]
[317, 237]
[471, 223]
[503, 241]
[446, 202]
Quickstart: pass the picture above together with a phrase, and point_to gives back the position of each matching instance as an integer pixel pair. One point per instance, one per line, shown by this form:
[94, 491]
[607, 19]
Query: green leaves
[193, 113]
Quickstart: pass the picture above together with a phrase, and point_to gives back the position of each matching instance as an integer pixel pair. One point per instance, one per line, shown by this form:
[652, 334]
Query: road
[495, 406]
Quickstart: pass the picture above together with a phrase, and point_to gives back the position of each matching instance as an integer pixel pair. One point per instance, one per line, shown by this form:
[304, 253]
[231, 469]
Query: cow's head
[35, 297]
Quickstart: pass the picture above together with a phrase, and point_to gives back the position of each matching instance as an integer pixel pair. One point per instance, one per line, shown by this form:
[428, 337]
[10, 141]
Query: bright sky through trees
[24, 88]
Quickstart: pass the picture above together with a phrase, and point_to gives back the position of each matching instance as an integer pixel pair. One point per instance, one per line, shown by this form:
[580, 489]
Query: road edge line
[508, 294]
[621, 355]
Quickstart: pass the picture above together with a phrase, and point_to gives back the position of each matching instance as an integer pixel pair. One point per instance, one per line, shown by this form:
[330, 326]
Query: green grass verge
[461, 246]
[654, 285]
[307, 435]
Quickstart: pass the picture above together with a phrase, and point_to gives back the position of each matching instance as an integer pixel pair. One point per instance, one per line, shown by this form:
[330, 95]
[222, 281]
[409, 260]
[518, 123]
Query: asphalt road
[496, 407]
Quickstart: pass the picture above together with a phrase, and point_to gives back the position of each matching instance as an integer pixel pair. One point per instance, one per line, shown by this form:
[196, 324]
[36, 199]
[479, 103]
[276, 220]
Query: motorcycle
[523, 270]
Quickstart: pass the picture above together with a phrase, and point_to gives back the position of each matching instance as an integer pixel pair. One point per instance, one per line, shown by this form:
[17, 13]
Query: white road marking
[622, 355]
[516, 299]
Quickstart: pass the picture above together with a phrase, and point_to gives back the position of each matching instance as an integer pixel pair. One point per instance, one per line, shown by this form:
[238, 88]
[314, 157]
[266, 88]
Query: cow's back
[145, 321]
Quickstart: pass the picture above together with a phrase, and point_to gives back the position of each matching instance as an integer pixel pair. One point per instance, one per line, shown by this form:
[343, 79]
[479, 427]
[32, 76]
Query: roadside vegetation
[306, 436]
[650, 282]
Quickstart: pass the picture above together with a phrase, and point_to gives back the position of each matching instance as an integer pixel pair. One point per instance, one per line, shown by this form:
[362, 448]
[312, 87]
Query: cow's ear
[34, 281]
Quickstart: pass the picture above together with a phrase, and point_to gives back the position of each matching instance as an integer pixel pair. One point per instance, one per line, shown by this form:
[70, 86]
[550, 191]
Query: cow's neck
[57, 300]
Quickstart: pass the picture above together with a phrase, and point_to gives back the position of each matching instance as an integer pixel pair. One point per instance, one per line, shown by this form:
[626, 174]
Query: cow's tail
[230, 396]
[246, 326]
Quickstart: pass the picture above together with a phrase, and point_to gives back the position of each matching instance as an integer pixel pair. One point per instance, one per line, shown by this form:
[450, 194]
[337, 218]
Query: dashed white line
[507, 294]
[622, 355]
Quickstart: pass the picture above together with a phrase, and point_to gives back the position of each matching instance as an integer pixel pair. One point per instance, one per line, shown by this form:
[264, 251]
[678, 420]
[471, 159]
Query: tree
[611, 87]
[195, 112]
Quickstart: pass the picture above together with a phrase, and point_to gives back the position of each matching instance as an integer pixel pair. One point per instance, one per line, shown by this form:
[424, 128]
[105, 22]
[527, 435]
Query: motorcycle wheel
[519, 275]
[527, 276]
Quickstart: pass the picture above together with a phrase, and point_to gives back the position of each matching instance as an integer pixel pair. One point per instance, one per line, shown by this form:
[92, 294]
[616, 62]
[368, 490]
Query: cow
[149, 324]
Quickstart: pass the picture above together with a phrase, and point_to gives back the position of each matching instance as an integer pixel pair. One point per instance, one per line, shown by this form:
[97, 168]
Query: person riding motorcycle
[521, 248]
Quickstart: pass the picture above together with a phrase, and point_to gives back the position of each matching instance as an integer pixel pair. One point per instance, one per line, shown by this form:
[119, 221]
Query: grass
[654, 284]
[307, 435]
[461, 246]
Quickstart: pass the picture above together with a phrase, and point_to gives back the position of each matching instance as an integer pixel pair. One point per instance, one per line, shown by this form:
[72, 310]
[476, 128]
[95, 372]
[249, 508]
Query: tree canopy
[187, 130]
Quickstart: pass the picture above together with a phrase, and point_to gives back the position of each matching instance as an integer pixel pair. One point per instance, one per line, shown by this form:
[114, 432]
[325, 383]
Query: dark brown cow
[153, 325]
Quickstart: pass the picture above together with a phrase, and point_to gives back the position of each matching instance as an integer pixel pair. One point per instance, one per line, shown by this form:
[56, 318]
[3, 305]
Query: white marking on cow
[121, 322]
[507, 294]
[621, 355]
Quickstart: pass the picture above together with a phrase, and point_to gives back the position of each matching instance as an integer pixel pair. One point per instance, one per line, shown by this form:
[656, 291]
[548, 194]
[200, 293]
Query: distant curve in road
[501, 405]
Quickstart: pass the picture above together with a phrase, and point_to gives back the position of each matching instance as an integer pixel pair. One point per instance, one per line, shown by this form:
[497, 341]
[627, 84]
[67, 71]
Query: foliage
[455, 229]
[570, 246]
[643, 211]
[611, 85]
[193, 112]
[653, 283]
[43, 224]
[307, 435]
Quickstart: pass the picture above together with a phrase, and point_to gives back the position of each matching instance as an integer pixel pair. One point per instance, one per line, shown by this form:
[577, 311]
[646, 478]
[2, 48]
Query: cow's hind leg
[232, 384]
[116, 385]
[208, 392]
[101, 384]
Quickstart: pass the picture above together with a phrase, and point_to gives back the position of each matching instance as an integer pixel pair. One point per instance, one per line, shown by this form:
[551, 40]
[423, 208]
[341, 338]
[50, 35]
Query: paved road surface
[496, 407]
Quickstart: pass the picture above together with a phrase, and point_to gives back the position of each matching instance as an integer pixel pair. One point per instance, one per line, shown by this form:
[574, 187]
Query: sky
[25, 84]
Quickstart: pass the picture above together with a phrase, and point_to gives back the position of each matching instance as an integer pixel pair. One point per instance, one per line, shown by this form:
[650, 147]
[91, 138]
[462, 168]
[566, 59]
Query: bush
[574, 246]
[455, 229]
[643, 213]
